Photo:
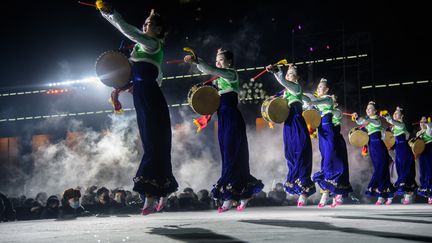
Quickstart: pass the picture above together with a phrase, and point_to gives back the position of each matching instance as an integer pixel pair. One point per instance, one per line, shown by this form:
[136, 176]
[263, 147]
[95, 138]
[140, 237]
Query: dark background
[51, 41]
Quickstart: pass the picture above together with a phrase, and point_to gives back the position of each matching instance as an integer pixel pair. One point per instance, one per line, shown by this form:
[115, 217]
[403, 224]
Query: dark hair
[227, 54]
[159, 21]
[102, 190]
[71, 193]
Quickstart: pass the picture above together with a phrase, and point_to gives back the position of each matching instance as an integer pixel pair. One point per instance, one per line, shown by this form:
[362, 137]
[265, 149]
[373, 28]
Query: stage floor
[346, 223]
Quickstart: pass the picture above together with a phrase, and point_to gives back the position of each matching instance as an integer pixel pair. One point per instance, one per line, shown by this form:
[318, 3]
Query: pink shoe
[241, 208]
[146, 211]
[321, 205]
[222, 209]
[339, 200]
[430, 200]
[161, 204]
[301, 201]
[389, 201]
[333, 205]
[380, 201]
[405, 202]
[301, 204]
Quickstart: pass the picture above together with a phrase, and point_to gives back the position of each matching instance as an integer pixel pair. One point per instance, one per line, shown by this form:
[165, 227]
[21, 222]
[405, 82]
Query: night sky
[51, 41]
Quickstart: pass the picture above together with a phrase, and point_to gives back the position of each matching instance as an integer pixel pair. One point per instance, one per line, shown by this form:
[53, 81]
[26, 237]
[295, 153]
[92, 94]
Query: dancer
[333, 178]
[425, 159]
[154, 179]
[297, 143]
[236, 183]
[404, 159]
[379, 185]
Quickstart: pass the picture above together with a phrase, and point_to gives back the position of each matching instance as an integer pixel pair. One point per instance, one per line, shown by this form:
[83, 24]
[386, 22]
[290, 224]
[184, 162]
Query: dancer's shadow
[313, 225]
[192, 234]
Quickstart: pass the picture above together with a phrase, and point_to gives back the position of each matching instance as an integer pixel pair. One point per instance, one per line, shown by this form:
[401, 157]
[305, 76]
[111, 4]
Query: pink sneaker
[161, 204]
[389, 201]
[321, 205]
[225, 206]
[301, 201]
[339, 199]
[147, 210]
[430, 200]
[241, 208]
[222, 209]
[380, 201]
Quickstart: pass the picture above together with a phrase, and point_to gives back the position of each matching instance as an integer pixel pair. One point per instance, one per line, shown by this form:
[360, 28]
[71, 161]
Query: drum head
[389, 139]
[278, 110]
[312, 118]
[113, 69]
[358, 137]
[417, 146]
[204, 100]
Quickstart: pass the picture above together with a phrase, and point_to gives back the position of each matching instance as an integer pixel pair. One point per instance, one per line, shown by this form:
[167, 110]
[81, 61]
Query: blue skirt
[235, 182]
[334, 175]
[405, 166]
[154, 176]
[425, 160]
[298, 153]
[379, 185]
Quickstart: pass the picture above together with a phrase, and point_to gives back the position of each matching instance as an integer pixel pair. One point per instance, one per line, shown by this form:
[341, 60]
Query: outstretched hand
[271, 68]
[104, 6]
[190, 59]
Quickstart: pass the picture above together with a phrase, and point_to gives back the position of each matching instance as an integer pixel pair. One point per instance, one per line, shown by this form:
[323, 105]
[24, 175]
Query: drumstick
[259, 74]
[347, 114]
[175, 61]
[210, 80]
[87, 4]
[281, 62]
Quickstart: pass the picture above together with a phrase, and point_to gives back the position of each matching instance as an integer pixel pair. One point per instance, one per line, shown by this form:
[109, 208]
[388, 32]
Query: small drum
[417, 145]
[113, 69]
[389, 139]
[275, 109]
[312, 118]
[358, 137]
[203, 99]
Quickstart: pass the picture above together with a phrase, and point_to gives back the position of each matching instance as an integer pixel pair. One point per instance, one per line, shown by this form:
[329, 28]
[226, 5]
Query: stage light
[311, 49]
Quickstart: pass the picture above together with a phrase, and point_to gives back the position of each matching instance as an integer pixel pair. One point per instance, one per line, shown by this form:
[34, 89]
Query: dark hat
[102, 190]
[52, 199]
[71, 193]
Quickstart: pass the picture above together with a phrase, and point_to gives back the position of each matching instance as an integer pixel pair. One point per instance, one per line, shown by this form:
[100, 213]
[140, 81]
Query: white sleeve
[390, 120]
[429, 129]
[360, 121]
[149, 44]
[222, 72]
[323, 101]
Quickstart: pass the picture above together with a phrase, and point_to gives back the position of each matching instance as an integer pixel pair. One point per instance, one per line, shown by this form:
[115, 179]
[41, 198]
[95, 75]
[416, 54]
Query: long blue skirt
[379, 185]
[425, 160]
[405, 166]
[154, 176]
[235, 182]
[334, 175]
[298, 153]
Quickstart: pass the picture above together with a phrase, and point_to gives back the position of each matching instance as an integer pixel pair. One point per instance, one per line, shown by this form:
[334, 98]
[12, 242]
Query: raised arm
[222, 72]
[323, 101]
[392, 121]
[149, 44]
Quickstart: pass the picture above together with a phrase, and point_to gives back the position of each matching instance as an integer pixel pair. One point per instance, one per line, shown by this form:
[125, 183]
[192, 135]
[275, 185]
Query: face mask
[75, 205]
